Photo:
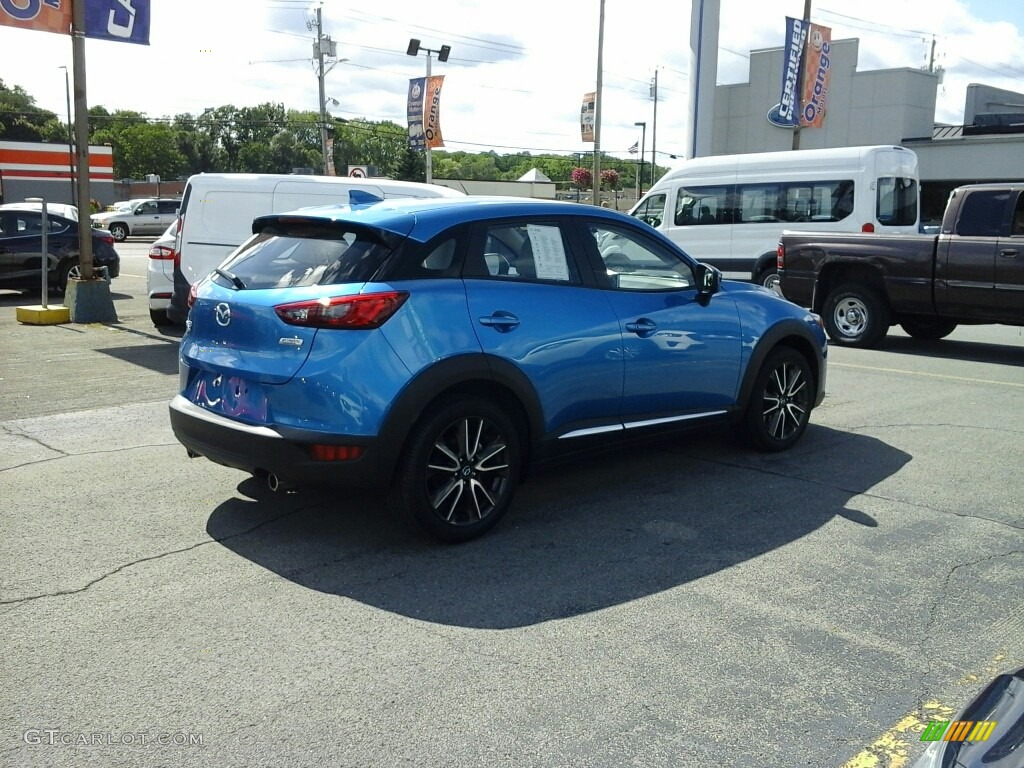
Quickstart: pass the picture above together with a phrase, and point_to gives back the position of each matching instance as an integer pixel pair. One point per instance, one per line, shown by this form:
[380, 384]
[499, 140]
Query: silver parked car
[148, 217]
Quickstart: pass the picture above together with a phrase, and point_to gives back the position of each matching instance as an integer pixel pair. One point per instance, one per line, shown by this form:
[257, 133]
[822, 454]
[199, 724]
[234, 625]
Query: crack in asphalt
[933, 608]
[78, 590]
[84, 453]
[14, 433]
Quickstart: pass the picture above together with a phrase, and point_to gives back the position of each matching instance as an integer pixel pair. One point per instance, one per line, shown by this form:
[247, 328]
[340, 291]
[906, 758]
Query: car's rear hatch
[254, 321]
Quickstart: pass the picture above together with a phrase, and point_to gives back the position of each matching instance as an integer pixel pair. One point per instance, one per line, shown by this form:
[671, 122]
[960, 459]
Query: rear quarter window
[315, 257]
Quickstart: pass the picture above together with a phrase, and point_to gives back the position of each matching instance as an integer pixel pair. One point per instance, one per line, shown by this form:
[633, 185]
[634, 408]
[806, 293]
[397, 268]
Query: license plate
[230, 395]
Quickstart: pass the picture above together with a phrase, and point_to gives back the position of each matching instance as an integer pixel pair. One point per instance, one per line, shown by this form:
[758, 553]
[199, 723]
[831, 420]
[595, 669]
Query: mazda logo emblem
[222, 313]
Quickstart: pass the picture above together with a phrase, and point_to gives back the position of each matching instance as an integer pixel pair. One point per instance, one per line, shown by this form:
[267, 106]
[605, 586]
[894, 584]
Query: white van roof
[272, 179]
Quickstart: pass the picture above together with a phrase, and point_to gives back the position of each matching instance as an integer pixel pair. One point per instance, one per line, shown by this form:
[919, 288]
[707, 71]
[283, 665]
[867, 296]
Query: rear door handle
[1008, 253]
[642, 327]
[503, 322]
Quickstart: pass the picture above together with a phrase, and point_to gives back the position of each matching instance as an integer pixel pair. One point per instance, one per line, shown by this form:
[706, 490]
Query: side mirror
[709, 280]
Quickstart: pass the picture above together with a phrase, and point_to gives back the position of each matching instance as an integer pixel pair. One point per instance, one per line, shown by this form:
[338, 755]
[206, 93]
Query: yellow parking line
[892, 748]
[922, 373]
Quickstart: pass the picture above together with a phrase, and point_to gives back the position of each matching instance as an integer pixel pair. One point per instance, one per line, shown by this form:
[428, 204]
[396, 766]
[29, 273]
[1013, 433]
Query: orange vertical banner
[432, 110]
[40, 15]
[817, 71]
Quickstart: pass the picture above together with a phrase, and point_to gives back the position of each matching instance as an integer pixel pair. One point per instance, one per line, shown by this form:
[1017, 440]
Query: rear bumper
[283, 452]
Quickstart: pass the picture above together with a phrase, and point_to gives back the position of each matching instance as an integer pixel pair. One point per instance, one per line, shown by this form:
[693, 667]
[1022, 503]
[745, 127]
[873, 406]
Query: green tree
[22, 120]
[146, 148]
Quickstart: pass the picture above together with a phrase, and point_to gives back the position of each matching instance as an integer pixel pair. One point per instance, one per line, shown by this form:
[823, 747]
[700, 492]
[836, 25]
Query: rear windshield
[290, 260]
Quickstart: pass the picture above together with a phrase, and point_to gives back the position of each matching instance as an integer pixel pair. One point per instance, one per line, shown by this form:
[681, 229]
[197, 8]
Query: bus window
[897, 201]
[758, 203]
[703, 205]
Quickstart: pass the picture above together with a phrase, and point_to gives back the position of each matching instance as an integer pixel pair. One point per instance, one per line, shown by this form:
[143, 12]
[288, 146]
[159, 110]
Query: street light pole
[643, 148]
[82, 139]
[71, 138]
[442, 56]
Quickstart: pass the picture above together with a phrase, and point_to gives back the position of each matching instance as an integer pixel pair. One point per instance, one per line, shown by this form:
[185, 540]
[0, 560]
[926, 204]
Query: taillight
[335, 452]
[193, 294]
[869, 227]
[780, 257]
[161, 253]
[177, 242]
[105, 238]
[361, 311]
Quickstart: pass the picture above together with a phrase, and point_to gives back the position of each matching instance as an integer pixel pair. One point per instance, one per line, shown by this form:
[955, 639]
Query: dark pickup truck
[972, 272]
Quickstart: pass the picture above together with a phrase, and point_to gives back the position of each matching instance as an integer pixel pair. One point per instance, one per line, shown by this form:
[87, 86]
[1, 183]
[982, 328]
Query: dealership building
[887, 106]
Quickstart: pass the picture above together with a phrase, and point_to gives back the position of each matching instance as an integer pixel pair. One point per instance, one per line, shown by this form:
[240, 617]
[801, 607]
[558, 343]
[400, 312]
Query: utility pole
[319, 51]
[931, 56]
[597, 108]
[71, 137]
[800, 77]
[654, 126]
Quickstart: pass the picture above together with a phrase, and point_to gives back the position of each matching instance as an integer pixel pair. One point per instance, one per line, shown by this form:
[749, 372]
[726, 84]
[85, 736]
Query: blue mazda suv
[438, 348]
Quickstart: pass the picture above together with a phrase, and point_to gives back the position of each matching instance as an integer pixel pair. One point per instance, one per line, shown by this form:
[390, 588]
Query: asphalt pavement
[687, 604]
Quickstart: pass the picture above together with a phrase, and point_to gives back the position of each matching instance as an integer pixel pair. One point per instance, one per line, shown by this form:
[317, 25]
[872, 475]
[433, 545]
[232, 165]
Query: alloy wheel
[468, 471]
[786, 401]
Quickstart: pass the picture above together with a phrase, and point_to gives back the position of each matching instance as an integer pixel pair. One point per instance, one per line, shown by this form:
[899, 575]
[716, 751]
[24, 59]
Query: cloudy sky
[514, 80]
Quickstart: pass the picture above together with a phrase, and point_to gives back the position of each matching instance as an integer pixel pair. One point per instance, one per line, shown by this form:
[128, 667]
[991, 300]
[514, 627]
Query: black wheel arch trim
[768, 342]
[448, 374]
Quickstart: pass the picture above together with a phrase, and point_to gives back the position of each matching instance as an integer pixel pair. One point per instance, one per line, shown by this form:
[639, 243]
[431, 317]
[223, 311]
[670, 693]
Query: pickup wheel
[855, 316]
[769, 278]
[930, 328]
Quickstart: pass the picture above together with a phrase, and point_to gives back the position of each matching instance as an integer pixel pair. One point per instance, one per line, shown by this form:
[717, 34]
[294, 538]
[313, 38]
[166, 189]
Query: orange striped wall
[21, 160]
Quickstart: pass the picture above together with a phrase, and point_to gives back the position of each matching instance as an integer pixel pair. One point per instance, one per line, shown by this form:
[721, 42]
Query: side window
[651, 210]
[167, 206]
[897, 201]
[981, 213]
[1018, 217]
[759, 203]
[523, 252]
[703, 205]
[29, 223]
[817, 201]
[147, 208]
[633, 264]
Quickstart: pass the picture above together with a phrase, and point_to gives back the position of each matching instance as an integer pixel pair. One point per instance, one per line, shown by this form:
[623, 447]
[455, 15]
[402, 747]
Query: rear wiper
[234, 279]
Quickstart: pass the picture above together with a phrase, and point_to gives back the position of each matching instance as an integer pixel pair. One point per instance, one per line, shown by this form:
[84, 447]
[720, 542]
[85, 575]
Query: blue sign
[122, 21]
[414, 111]
[788, 112]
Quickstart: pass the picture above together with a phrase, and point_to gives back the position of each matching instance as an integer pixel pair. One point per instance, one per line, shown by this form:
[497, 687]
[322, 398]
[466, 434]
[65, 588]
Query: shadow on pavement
[162, 358]
[973, 351]
[595, 535]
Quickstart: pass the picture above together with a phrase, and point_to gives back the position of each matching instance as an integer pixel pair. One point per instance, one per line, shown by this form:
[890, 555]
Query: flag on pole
[634, 148]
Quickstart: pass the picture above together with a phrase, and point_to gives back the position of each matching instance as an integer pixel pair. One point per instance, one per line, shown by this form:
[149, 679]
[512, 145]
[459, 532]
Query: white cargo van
[729, 210]
[217, 210]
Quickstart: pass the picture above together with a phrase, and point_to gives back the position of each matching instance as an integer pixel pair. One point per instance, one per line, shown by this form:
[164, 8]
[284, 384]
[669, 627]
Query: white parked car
[149, 217]
[160, 275]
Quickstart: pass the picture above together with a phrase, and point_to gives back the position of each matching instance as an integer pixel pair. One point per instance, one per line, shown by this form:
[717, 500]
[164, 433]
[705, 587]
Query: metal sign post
[45, 260]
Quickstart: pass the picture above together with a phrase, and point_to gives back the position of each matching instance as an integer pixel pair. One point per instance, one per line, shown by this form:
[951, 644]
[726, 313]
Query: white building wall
[878, 107]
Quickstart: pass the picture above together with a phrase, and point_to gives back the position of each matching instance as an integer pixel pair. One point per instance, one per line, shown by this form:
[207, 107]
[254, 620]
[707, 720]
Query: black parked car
[21, 248]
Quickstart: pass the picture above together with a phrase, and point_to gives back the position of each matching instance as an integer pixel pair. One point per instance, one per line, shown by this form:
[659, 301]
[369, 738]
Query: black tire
[67, 271]
[119, 232]
[459, 469]
[930, 328]
[160, 318]
[855, 316]
[780, 404]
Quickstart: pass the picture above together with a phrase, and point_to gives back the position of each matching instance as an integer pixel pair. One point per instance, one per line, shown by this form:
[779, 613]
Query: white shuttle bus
[729, 210]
